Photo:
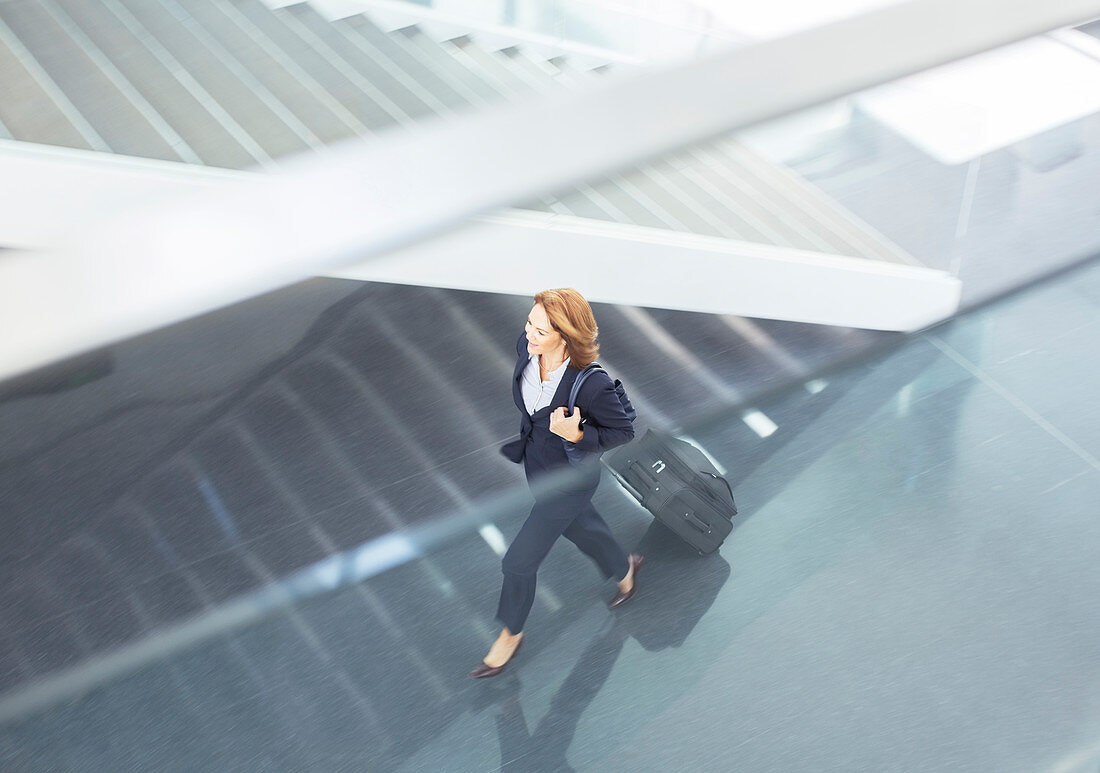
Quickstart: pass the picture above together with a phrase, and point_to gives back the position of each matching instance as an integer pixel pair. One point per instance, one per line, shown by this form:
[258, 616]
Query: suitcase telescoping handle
[627, 485]
[643, 472]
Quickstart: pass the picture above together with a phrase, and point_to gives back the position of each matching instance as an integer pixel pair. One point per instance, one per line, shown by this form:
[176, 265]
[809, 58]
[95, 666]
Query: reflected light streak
[759, 423]
[218, 508]
[381, 554]
[905, 399]
[492, 536]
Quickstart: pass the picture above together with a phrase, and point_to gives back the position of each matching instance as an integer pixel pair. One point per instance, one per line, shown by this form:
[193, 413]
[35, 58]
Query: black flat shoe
[484, 670]
[620, 597]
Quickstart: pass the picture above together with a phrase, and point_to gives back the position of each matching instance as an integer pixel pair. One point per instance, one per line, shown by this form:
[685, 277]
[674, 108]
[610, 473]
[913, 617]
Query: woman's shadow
[679, 587]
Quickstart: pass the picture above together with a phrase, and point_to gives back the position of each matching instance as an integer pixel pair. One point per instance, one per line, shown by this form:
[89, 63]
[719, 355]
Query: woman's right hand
[568, 427]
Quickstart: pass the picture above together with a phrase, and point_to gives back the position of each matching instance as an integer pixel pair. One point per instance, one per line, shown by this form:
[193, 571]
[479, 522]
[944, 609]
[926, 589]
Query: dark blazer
[605, 423]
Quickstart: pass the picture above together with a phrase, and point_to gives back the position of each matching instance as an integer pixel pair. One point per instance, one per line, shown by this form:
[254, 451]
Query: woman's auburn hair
[572, 317]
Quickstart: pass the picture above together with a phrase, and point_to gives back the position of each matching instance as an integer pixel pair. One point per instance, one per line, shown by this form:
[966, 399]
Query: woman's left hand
[568, 427]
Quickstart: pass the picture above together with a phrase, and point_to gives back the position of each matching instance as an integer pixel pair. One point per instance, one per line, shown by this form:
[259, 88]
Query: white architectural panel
[966, 109]
[639, 266]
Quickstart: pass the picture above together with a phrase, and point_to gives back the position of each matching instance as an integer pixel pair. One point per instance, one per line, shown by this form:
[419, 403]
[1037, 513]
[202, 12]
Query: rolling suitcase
[676, 482]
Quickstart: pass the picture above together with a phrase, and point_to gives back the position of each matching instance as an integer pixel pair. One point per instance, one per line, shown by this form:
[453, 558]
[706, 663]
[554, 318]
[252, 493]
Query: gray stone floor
[910, 585]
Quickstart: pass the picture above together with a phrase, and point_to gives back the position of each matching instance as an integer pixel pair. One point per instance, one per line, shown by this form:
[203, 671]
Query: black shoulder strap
[581, 378]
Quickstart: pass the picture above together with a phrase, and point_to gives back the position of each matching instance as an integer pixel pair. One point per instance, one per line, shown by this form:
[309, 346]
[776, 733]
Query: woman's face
[541, 337]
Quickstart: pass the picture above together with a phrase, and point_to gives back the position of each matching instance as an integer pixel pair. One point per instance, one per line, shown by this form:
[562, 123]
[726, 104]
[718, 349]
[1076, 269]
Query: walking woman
[558, 342]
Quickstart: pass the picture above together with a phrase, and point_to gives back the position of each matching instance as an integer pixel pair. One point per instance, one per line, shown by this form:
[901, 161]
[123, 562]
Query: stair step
[215, 137]
[709, 203]
[771, 210]
[531, 70]
[730, 200]
[234, 88]
[831, 217]
[319, 52]
[478, 91]
[581, 204]
[610, 201]
[627, 200]
[310, 108]
[775, 205]
[33, 108]
[94, 92]
[682, 200]
[535, 75]
[488, 67]
[390, 54]
[662, 198]
[752, 216]
[374, 93]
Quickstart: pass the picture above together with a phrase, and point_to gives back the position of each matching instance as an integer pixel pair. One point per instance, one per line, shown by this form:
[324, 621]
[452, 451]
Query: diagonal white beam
[174, 259]
[669, 270]
[63, 190]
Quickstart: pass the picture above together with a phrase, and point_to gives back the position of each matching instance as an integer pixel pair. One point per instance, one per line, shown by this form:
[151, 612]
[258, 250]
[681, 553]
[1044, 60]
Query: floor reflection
[679, 587]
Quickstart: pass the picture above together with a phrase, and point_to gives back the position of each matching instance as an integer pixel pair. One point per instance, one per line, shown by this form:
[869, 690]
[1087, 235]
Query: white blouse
[537, 393]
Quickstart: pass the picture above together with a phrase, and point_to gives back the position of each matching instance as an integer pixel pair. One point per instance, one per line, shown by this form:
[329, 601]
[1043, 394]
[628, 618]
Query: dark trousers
[569, 515]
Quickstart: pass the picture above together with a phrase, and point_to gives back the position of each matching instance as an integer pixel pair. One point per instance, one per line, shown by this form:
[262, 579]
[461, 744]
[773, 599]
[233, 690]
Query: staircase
[236, 84]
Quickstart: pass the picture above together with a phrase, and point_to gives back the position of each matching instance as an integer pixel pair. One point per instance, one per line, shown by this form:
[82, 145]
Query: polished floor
[910, 585]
